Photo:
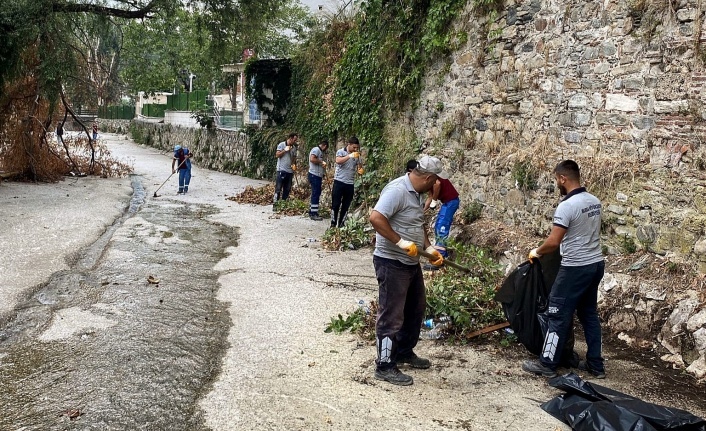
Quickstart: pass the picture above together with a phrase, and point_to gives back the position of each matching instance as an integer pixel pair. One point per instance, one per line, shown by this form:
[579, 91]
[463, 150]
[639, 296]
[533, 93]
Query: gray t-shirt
[580, 214]
[314, 169]
[284, 163]
[345, 172]
[402, 206]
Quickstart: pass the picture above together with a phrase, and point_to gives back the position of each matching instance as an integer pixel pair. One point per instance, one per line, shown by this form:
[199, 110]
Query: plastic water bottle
[434, 328]
[363, 306]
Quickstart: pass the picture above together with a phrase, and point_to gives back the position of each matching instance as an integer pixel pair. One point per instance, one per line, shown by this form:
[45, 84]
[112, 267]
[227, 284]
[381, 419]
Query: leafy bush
[467, 299]
[354, 234]
[628, 244]
[472, 212]
[361, 322]
[291, 206]
[525, 175]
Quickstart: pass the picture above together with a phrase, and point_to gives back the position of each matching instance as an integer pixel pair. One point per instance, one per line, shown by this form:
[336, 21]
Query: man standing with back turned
[347, 163]
[398, 219]
[317, 169]
[576, 230]
[286, 158]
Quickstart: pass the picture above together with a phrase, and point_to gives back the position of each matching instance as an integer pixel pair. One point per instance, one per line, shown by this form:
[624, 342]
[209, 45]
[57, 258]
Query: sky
[329, 5]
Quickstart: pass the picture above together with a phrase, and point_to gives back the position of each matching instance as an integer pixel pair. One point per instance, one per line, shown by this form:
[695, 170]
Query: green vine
[263, 145]
[273, 75]
[353, 77]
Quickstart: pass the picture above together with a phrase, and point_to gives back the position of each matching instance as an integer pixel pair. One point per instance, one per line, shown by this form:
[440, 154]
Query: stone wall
[617, 87]
[220, 150]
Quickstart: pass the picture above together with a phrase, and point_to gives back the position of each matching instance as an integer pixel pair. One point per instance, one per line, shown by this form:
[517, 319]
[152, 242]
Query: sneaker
[315, 217]
[536, 367]
[583, 366]
[430, 267]
[394, 376]
[414, 361]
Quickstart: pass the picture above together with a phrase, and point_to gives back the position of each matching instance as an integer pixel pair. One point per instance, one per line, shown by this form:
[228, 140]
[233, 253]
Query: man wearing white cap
[398, 219]
[182, 159]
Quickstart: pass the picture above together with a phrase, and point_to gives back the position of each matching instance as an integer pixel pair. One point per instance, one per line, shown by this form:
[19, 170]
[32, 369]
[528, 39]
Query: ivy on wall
[354, 76]
[273, 75]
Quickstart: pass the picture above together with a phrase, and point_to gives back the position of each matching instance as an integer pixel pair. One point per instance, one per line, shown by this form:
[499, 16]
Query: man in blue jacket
[182, 159]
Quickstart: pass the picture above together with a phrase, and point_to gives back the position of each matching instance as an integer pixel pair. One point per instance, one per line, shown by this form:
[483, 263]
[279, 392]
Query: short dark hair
[353, 140]
[292, 135]
[411, 165]
[569, 169]
[324, 142]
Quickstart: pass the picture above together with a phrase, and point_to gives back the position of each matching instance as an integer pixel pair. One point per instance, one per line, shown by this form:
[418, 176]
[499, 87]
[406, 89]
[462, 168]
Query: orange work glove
[294, 168]
[439, 259]
[361, 171]
[407, 246]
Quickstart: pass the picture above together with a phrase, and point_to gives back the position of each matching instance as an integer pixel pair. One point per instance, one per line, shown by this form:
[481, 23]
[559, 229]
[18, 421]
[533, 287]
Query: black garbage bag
[588, 406]
[524, 297]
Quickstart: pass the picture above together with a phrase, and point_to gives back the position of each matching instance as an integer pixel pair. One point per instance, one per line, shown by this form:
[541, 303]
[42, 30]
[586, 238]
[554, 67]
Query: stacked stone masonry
[221, 150]
[616, 86]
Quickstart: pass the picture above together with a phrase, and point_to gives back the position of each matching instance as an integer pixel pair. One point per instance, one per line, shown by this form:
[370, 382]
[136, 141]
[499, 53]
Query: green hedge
[186, 101]
[154, 110]
[116, 112]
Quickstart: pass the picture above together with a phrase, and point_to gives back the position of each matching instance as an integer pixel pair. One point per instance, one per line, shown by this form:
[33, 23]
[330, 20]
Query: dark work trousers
[575, 290]
[315, 182]
[283, 184]
[342, 196]
[401, 304]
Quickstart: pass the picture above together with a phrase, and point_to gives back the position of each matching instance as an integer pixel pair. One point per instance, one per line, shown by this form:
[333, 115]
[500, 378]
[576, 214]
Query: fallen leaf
[153, 280]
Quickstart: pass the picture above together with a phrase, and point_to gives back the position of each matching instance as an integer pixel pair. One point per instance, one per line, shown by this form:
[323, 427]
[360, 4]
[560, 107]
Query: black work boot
[414, 361]
[395, 376]
[536, 367]
[583, 366]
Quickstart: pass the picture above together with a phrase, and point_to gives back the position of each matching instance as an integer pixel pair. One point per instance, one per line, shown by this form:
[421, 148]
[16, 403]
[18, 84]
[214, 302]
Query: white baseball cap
[177, 147]
[432, 165]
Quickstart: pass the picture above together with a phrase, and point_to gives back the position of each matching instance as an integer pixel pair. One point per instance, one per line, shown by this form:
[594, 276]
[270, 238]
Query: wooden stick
[488, 329]
[446, 261]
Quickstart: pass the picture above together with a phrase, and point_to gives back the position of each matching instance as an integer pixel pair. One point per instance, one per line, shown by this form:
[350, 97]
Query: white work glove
[323, 164]
[408, 246]
[434, 203]
[533, 255]
[438, 258]
[354, 155]
[287, 148]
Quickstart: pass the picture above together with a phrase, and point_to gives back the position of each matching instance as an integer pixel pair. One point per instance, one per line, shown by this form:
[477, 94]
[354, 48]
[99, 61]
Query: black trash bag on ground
[588, 406]
[524, 297]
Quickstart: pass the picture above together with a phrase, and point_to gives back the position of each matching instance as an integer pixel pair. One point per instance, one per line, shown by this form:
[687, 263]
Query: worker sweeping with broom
[182, 160]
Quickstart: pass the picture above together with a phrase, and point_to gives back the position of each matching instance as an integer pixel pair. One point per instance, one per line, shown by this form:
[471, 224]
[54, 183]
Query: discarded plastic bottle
[430, 323]
[363, 306]
[434, 328]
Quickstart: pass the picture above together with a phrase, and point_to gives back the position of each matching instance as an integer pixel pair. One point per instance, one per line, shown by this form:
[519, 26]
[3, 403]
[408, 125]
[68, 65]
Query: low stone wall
[220, 150]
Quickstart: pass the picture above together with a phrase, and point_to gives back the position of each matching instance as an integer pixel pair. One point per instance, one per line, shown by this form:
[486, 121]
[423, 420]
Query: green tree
[57, 54]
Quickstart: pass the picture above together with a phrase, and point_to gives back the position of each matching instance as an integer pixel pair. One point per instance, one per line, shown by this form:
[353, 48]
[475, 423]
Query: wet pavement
[101, 341]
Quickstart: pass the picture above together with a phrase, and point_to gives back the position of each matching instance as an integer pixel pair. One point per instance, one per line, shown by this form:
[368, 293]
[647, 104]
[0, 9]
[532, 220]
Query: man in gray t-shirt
[317, 168]
[347, 164]
[576, 232]
[286, 164]
[398, 219]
